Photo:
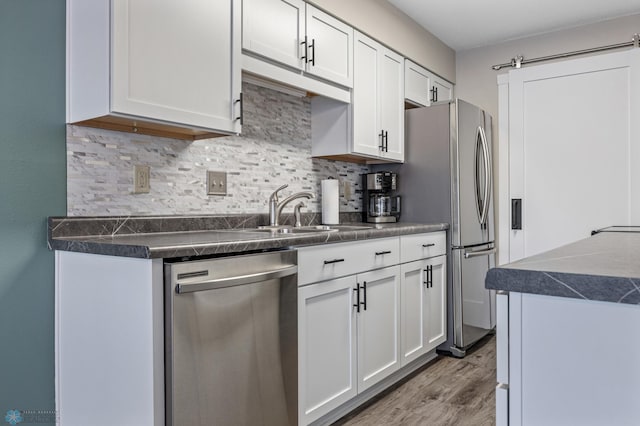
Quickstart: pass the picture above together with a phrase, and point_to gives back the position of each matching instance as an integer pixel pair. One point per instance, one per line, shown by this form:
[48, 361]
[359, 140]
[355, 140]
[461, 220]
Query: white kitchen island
[568, 326]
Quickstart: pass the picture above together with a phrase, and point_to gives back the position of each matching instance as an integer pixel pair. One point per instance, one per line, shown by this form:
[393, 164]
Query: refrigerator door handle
[480, 192]
[469, 254]
[488, 173]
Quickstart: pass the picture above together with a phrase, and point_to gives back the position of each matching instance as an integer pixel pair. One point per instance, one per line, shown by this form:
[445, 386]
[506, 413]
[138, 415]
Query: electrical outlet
[141, 179]
[216, 183]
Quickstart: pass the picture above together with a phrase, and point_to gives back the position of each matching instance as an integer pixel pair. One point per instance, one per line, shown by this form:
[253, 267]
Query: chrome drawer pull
[380, 253]
[328, 262]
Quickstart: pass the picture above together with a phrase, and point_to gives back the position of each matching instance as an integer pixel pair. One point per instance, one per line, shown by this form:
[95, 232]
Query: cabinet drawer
[420, 246]
[319, 263]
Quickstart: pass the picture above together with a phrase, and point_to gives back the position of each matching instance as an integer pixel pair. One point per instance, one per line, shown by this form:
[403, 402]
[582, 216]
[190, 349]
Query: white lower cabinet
[566, 361]
[348, 338]
[423, 303]
[327, 347]
[363, 314]
[378, 325]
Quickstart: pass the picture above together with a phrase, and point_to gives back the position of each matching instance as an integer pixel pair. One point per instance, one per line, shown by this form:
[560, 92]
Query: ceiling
[465, 24]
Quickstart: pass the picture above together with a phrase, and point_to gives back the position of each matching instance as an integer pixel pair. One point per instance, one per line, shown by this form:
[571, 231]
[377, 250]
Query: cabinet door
[330, 47]
[151, 43]
[423, 302]
[441, 90]
[367, 137]
[274, 29]
[417, 83]
[378, 325]
[327, 349]
[413, 293]
[436, 328]
[391, 102]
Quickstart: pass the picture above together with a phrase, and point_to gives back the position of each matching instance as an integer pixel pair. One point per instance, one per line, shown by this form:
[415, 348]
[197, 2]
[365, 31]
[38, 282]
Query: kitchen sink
[308, 229]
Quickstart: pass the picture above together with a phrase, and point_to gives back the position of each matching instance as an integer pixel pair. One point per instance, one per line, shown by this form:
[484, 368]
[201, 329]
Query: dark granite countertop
[180, 236]
[604, 267]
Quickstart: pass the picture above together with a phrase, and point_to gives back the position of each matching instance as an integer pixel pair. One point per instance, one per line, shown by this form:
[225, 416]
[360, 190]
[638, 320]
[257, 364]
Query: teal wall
[32, 187]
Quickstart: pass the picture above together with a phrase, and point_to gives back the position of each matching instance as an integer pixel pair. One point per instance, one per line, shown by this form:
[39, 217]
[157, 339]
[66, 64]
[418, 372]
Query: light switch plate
[141, 178]
[216, 183]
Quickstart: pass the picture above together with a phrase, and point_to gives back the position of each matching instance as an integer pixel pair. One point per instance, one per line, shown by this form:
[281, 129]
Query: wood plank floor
[448, 391]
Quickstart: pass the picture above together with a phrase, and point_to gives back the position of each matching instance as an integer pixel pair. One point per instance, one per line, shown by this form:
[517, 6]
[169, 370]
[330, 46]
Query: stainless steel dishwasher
[231, 340]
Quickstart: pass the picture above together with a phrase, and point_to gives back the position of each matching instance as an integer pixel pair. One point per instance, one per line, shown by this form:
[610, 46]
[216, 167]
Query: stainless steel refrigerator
[447, 177]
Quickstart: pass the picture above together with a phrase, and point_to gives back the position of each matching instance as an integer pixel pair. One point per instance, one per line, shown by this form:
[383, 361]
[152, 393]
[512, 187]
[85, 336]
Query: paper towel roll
[330, 201]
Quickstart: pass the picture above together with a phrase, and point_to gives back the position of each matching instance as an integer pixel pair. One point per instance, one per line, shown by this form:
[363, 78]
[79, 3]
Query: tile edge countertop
[232, 234]
[604, 267]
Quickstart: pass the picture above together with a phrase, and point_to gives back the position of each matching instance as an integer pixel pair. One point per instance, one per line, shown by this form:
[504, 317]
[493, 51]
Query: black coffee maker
[380, 204]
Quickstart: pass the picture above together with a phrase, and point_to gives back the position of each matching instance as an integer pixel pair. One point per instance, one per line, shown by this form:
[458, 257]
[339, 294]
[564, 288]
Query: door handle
[469, 254]
[306, 54]
[241, 102]
[429, 275]
[483, 206]
[182, 288]
[312, 46]
[364, 289]
[516, 213]
[357, 304]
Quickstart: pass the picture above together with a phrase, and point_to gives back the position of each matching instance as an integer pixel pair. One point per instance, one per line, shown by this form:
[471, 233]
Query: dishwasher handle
[191, 287]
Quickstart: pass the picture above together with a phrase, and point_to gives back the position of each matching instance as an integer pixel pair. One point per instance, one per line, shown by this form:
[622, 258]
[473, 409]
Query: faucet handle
[274, 194]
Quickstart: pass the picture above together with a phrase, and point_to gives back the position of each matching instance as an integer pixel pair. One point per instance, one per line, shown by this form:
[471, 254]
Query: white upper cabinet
[417, 81]
[423, 88]
[391, 88]
[329, 48]
[274, 29]
[378, 107]
[441, 90]
[300, 36]
[155, 66]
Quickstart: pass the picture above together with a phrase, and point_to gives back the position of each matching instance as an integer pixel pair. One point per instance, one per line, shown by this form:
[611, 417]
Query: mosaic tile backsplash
[274, 149]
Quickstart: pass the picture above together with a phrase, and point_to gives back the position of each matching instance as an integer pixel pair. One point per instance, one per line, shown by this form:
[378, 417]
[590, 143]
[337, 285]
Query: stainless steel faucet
[276, 206]
[297, 215]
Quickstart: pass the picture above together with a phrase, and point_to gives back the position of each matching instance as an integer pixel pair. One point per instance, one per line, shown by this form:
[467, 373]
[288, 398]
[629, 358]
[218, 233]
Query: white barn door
[573, 150]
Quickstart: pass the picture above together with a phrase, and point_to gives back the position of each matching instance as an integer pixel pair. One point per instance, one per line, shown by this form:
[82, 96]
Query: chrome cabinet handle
[357, 304]
[182, 288]
[329, 262]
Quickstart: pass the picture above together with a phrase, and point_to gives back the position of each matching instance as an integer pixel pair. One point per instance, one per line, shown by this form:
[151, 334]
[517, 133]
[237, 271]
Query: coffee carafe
[380, 202]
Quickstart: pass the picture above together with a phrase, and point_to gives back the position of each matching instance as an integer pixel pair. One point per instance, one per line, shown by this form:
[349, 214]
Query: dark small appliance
[380, 202]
